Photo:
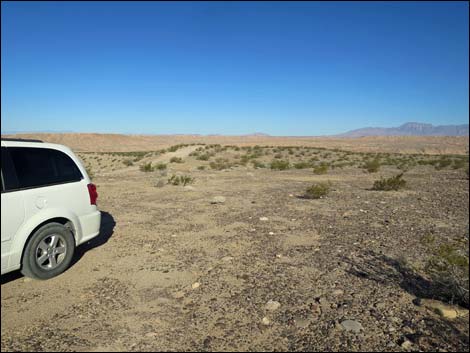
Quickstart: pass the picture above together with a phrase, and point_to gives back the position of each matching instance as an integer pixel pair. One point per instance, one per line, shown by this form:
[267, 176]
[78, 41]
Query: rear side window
[42, 166]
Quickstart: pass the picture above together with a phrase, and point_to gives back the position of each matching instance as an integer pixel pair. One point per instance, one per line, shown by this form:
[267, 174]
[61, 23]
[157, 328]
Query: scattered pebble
[407, 344]
[266, 321]
[196, 285]
[338, 292]
[272, 305]
[264, 219]
[218, 200]
[352, 325]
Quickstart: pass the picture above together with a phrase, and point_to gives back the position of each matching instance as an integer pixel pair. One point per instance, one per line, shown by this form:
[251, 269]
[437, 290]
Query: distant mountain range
[410, 129]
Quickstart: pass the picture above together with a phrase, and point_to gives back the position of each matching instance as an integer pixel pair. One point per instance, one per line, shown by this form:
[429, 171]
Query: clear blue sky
[281, 68]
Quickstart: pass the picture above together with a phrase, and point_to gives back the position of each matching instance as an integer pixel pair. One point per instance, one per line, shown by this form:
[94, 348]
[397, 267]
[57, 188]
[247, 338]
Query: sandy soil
[173, 271]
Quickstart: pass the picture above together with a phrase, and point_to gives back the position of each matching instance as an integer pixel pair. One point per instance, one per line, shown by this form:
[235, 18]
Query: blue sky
[281, 68]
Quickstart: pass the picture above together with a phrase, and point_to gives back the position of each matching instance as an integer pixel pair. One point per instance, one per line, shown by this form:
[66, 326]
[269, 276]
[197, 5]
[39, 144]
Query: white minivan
[48, 207]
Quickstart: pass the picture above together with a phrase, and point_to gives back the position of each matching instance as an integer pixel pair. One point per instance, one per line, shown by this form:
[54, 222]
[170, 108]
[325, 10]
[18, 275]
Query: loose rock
[352, 325]
[272, 305]
[218, 200]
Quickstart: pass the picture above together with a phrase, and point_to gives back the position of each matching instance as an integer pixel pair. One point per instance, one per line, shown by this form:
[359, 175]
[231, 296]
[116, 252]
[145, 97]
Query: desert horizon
[83, 142]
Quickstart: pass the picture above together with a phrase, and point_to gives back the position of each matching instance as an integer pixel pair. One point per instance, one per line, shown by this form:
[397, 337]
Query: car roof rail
[20, 139]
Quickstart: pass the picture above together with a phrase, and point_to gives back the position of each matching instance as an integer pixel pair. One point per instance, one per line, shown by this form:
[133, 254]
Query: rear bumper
[90, 226]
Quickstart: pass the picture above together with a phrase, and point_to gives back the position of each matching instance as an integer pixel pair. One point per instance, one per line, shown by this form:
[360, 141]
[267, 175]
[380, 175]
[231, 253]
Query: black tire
[42, 259]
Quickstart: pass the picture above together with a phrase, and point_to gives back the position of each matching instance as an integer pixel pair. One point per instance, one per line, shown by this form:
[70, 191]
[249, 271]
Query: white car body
[25, 209]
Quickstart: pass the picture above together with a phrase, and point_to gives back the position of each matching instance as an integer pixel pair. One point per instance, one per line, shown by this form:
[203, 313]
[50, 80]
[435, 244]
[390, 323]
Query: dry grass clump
[388, 184]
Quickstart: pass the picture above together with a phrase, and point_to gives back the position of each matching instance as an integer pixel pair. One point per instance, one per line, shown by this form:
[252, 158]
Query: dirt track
[172, 271]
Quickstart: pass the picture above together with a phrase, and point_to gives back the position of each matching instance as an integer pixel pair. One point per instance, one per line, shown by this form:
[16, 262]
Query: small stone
[338, 292]
[266, 321]
[407, 344]
[447, 311]
[218, 200]
[264, 219]
[227, 258]
[352, 325]
[271, 233]
[196, 285]
[272, 305]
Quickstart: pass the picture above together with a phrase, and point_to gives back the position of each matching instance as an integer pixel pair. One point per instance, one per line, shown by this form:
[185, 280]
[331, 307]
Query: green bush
[448, 269]
[160, 166]
[176, 160]
[444, 162]
[258, 164]
[201, 167]
[279, 165]
[89, 171]
[147, 167]
[394, 183]
[302, 165]
[317, 191]
[220, 164]
[203, 157]
[372, 166]
[320, 169]
[180, 180]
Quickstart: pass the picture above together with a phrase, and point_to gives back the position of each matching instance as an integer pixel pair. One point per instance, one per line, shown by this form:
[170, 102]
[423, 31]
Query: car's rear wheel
[48, 252]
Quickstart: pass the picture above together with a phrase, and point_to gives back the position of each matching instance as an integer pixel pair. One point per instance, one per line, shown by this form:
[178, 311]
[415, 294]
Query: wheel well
[64, 221]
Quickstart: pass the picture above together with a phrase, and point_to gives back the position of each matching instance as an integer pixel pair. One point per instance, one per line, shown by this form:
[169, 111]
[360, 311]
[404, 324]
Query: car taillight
[93, 193]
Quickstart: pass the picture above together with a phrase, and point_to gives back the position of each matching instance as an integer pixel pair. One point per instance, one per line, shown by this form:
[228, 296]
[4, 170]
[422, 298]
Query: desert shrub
[160, 166]
[175, 147]
[459, 163]
[387, 184]
[448, 269]
[220, 164]
[322, 168]
[201, 167]
[317, 191]
[180, 180]
[258, 164]
[279, 165]
[444, 162]
[176, 160]
[372, 166]
[244, 159]
[278, 156]
[89, 171]
[128, 162]
[203, 157]
[147, 167]
[302, 165]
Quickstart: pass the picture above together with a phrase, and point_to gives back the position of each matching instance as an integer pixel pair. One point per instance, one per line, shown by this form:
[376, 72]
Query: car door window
[42, 166]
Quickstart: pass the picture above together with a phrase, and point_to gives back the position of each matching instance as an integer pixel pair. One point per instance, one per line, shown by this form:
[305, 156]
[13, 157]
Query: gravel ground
[171, 270]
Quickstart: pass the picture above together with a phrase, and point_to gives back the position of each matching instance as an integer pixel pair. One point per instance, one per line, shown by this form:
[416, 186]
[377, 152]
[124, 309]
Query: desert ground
[241, 258]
